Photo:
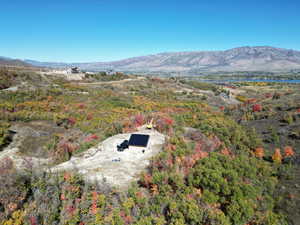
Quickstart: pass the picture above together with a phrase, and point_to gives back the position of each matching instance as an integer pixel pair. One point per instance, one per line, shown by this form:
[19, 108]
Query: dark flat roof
[140, 140]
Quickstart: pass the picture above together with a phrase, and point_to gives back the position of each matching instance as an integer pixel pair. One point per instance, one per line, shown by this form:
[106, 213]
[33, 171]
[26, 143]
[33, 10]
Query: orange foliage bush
[259, 152]
[94, 207]
[91, 137]
[226, 151]
[277, 156]
[251, 101]
[288, 151]
[62, 197]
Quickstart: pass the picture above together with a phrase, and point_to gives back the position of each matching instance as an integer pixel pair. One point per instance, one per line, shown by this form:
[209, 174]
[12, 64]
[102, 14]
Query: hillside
[261, 58]
[13, 62]
[207, 167]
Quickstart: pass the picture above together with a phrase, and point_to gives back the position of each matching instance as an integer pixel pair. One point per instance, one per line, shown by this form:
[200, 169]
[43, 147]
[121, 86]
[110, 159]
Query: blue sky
[104, 30]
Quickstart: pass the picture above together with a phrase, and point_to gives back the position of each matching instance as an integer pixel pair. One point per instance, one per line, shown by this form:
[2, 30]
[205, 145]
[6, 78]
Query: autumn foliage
[139, 120]
[288, 151]
[256, 108]
[277, 156]
[259, 152]
[204, 177]
[91, 137]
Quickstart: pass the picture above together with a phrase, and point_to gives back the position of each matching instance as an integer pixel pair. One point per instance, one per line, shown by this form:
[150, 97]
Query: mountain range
[259, 58]
[4, 61]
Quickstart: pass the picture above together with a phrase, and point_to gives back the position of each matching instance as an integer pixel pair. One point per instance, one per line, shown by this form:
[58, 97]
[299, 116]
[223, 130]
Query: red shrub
[94, 207]
[33, 220]
[71, 209]
[169, 162]
[198, 147]
[91, 138]
[288, 151]
[71, 120]
[256, 108]
[139, 120]
[95, 195]
[169, 121]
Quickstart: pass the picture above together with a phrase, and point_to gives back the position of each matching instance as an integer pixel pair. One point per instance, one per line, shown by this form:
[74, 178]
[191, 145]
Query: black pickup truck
[121, 147]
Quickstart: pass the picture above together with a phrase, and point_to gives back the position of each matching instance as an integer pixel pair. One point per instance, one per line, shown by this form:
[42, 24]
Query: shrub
[259, 152]
[288, 151]
[277, 156]
[241, 98]
[256, 108]
[4, 134]
[13, 188]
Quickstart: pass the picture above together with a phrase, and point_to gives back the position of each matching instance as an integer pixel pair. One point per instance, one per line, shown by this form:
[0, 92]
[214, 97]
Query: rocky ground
[105, 165]
[101, 164]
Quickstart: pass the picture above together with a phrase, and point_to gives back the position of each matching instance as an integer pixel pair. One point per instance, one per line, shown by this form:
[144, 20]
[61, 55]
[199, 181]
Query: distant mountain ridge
[4, 61]
[259, 58]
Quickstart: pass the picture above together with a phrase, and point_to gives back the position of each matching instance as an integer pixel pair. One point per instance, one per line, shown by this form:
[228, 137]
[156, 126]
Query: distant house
[110, 72]
[75, 70]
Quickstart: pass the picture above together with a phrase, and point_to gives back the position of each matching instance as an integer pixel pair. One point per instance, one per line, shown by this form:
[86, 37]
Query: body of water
[254, 80]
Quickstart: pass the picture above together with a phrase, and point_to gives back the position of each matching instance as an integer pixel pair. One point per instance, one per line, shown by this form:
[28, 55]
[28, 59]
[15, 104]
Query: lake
[254, 80]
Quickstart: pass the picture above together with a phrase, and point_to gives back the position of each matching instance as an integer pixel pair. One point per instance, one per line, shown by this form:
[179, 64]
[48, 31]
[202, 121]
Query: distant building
[110, 72]
[75, 70]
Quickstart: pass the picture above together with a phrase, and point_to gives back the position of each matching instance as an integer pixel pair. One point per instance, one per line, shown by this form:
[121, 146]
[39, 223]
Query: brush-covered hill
[260, 58]
[13, 62]
[210, 170]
